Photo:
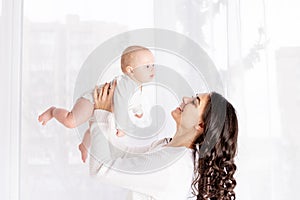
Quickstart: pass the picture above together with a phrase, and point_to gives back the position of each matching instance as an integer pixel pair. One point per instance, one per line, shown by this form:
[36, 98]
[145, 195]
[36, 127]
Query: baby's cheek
[141, 77]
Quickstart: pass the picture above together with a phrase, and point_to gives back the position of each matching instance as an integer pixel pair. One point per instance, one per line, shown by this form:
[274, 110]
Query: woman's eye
[147, 66]
[196, 101]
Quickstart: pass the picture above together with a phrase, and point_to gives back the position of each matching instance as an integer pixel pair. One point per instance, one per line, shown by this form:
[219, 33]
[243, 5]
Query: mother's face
[190, 112]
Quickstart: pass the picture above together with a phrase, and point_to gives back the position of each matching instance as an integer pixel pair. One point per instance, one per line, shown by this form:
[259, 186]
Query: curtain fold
[11, 17]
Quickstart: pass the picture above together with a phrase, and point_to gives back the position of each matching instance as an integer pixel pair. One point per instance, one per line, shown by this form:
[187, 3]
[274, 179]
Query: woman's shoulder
[177, 153]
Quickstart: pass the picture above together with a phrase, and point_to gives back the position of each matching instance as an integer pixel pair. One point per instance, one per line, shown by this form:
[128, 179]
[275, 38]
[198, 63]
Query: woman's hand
[103, 97]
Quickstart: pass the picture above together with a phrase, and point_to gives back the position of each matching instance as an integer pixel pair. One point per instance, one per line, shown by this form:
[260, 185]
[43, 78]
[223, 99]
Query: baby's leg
[81, 112]
[85, 144]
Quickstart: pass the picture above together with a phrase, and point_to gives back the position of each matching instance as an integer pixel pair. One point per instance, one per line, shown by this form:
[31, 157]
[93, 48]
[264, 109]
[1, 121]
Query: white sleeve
[103, 145]
[100, 147]
[151, 183]
[136, 109]
[145, 173]
[140, 106]
[102, 125]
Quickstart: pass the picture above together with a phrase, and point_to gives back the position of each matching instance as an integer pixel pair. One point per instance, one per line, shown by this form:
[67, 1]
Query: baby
[137, 64]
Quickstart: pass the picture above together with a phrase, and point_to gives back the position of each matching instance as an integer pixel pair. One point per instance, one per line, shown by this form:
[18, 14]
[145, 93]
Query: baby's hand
[120, 133]
[139, 115]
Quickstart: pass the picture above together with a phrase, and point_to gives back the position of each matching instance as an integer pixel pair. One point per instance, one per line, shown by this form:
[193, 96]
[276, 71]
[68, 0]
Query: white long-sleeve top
[153, 172]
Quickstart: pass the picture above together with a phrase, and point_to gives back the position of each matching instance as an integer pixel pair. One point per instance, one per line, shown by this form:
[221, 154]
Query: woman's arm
[103, 101]
[150, 173]
[154, 174]
[103, 105]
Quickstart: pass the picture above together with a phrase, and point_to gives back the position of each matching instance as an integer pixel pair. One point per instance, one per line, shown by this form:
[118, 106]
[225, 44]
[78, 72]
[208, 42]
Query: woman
[206, 140]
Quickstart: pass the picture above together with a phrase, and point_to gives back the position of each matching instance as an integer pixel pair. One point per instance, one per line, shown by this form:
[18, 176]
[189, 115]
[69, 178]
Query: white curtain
[255, 47]
[10, 84]
[58, 37]
[253, 43]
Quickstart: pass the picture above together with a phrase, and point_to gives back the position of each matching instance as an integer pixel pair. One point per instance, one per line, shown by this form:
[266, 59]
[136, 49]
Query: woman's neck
[182, 137]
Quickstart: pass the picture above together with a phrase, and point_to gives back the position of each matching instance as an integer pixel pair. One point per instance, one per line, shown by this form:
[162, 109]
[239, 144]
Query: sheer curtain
[10, 84]
[58, 37]
[256, 50]
[255, 47]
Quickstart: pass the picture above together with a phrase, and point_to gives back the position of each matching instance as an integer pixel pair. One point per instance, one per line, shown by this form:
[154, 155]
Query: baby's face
[143, 66]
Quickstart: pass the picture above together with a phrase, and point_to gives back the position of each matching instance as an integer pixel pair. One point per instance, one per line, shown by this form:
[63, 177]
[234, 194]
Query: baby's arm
[81, 112]
[137, 110]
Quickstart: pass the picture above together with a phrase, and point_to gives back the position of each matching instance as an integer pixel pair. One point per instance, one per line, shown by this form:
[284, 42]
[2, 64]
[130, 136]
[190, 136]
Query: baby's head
[138, 63]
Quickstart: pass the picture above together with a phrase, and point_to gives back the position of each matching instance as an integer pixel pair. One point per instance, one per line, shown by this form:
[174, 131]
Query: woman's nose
[186, 100]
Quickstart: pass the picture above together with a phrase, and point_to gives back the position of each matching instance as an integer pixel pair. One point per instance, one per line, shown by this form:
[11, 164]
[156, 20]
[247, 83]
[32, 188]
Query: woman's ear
[200, 127]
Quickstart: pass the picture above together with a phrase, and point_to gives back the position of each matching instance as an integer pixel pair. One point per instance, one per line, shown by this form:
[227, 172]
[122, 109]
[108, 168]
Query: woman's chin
[176, 114]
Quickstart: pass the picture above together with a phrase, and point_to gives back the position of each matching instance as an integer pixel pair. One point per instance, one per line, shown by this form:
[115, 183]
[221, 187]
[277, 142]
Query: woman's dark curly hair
[215, 150]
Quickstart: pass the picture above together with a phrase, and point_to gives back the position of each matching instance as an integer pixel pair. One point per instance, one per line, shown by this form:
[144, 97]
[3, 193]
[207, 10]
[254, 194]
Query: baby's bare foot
[83, 151]
[46, 116]
[120, 133]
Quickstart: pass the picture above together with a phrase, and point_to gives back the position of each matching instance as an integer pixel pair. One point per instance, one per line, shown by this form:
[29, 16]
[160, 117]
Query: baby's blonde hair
[127, 55]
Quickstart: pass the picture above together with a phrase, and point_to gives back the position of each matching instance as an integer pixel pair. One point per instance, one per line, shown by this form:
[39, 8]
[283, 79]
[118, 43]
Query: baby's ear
[128, 69]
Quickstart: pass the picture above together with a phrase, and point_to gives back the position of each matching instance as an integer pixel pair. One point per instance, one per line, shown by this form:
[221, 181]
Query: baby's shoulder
[125, 84]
